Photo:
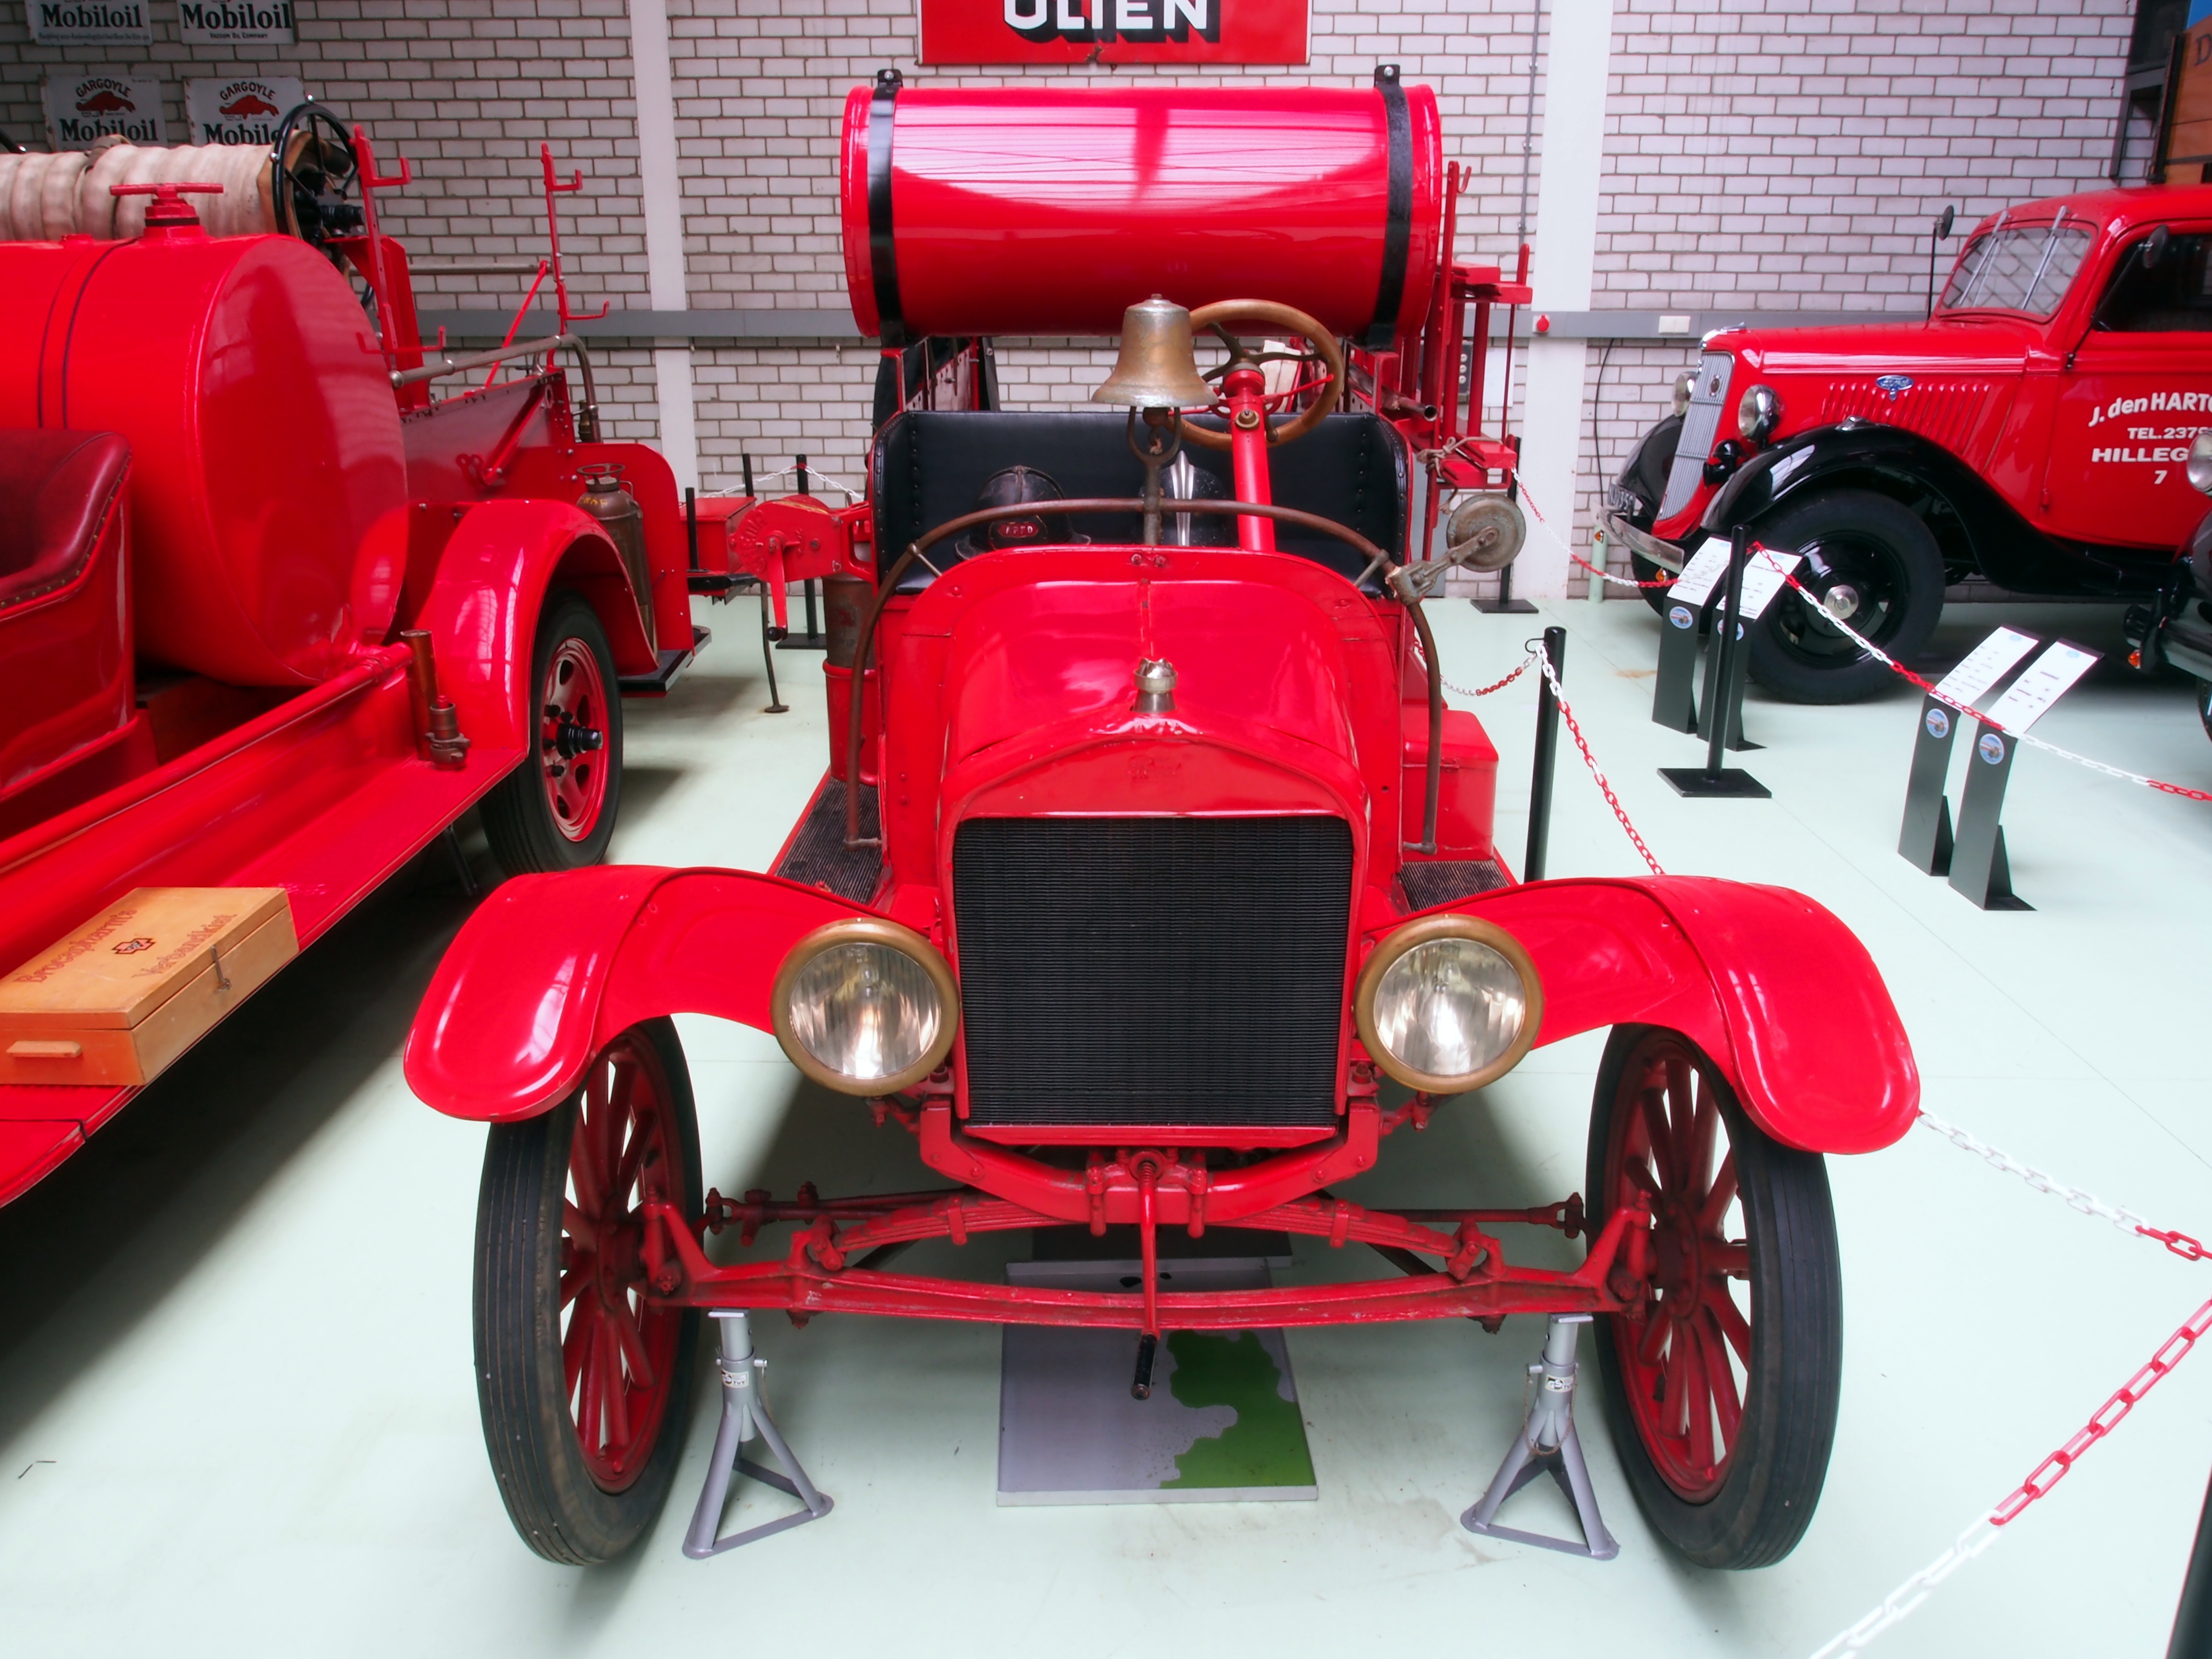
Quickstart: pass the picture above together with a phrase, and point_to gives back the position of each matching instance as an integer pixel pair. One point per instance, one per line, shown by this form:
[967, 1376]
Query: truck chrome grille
[1167, 970]
[1701, 425]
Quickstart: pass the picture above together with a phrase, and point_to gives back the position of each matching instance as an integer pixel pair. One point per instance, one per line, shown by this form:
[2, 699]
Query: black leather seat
[927, 468]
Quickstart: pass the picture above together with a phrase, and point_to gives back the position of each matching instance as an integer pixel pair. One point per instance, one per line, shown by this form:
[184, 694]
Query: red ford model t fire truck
[2034, 431]
[273, 615]
[1151, 884]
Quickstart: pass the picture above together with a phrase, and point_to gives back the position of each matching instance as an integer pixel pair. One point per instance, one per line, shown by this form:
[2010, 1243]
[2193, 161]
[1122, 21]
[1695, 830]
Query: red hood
[1985, 344]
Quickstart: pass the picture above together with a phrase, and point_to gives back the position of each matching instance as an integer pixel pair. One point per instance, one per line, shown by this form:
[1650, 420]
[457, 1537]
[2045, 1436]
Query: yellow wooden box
[124, 995]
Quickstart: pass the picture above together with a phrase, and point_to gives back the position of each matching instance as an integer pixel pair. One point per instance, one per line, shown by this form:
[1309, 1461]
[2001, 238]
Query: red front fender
[550, 968]
[1781, 995]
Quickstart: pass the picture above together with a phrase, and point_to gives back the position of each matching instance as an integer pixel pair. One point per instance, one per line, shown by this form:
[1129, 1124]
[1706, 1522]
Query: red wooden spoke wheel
[557, 809]
[572, 704]
[1722, 1385]
[617, 1352]
[585, 1383]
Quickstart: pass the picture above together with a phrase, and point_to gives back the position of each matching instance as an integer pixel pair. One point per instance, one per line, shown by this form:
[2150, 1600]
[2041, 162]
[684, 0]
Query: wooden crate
[124, 995]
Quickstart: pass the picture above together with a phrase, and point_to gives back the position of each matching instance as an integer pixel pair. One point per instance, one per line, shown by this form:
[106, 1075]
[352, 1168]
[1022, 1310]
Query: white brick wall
[1771, 154]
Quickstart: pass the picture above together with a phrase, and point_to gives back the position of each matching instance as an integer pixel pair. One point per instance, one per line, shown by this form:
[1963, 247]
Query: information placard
[1764, 575]
[1985, 666]
[2047, 679]
[1705, 568]
[1114, 31]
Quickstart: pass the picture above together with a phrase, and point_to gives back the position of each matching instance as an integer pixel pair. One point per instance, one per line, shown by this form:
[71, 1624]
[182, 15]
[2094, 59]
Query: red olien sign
[1114, 31]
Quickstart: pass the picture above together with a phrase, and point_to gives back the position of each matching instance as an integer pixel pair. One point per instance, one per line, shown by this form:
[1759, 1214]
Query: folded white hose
[45, 198]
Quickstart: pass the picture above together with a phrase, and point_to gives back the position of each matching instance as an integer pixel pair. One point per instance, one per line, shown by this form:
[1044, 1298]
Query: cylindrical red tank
[264, 439]
[1026, 211]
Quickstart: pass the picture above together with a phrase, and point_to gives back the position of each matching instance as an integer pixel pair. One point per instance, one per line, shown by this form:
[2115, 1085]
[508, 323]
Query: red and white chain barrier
[1536, 659]
[1986, 1527]
[1545, 524]
[2027, 737]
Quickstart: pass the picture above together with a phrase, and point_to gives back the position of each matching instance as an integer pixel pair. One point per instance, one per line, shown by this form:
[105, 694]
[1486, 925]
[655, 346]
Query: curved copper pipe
[1377, 560]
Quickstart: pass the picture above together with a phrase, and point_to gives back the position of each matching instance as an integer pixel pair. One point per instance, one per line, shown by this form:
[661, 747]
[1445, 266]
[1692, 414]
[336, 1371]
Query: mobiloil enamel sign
[90, 22]
[245, 110]
[82, 107]
[256, 21]
[1113, 31]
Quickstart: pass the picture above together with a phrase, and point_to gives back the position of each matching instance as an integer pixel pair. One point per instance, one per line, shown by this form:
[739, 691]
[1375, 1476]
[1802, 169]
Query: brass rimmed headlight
[1759, 414]
[1448, 1004]
[865, 1006]
[2200, 462]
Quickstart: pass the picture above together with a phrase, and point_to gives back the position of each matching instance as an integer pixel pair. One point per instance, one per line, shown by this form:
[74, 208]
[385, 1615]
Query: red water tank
[1028, 211]
[263, 434]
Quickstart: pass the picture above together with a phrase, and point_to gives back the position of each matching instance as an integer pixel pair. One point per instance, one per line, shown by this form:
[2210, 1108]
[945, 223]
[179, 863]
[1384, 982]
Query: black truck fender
[1978, 530]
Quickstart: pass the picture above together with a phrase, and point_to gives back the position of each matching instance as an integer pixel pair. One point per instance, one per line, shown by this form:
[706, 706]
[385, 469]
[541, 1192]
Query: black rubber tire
[1889, 554]
[561, 1511]
[2205, 705]
[518, 820]
[1793, 1385]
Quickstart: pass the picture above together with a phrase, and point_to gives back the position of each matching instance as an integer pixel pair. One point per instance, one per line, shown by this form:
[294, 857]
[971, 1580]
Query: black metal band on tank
[1398, 225]
[883, 252]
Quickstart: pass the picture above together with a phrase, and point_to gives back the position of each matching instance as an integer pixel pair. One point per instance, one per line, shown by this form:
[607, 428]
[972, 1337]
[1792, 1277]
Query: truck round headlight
[1449, 1003]
[2200, 462]
[1686, 383]
[1759, 414]
[865, 1006]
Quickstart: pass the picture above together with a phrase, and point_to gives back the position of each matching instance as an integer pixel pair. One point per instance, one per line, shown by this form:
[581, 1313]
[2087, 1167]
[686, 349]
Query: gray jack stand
[1547, 1441]
[744, 1409]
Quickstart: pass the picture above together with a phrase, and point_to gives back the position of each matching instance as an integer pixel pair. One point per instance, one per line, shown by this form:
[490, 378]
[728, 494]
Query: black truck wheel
[557, 809]
[585, 1386]
[2205, 705]
[1874, 564]
[1722, 1389]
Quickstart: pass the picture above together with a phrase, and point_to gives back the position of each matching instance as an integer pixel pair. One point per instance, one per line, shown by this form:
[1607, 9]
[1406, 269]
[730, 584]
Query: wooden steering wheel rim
[1284, 317]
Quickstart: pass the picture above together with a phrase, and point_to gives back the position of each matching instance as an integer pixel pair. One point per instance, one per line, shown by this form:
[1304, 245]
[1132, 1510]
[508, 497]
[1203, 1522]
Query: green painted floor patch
[1266, 1446]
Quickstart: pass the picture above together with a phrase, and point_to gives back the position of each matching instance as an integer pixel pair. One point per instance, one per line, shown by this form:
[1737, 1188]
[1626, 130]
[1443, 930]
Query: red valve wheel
[556, 811]
[1721, 1387]
[585, 1383]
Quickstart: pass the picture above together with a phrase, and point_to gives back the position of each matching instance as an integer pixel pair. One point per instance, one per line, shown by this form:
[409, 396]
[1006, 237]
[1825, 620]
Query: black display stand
[1714, 782]
[1979, 868]
[1729, 697]
[1925, 839]
[1547, 743]
[813, 639]
[1505, 605]
[1674, 693]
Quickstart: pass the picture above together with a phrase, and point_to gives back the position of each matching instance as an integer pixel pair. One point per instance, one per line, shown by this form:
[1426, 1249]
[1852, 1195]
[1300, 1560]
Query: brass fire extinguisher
[606, 499]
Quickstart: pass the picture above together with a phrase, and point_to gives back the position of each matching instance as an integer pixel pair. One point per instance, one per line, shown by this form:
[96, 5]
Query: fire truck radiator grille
[1152, 970]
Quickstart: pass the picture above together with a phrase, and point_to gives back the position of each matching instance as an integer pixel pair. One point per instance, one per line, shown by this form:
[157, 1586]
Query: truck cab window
[2173, 295]
[2025, 268]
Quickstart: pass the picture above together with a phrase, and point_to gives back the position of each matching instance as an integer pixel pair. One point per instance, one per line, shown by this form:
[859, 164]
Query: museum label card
[1985, 666]
[1763, 576]
[2047, 680]
[1707, 566]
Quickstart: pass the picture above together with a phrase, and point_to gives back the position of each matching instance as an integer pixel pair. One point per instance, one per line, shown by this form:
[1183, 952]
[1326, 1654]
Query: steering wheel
[1321, 367]
[313, 174]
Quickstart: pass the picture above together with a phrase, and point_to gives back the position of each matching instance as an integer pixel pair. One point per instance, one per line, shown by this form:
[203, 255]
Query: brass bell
[1156, 368]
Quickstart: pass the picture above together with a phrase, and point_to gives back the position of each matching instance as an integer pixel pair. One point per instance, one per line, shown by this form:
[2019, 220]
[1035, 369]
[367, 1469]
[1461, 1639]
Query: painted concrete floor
[237, 1413]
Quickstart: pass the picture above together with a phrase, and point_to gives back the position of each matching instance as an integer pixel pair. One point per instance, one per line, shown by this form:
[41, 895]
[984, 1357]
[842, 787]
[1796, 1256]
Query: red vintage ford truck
[2034, 431]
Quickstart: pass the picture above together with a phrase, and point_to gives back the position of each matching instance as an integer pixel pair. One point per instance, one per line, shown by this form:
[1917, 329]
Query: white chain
[2087, 1203]
[1902, 1602]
